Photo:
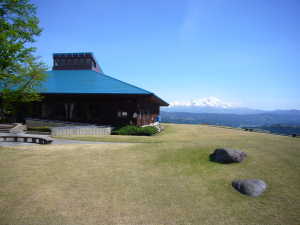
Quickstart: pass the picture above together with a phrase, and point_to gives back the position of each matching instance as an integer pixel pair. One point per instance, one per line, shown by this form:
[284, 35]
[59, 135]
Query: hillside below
[276, 122]
[162, 179]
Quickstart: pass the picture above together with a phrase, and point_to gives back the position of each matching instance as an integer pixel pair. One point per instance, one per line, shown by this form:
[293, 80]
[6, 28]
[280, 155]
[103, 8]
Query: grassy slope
[167, 180]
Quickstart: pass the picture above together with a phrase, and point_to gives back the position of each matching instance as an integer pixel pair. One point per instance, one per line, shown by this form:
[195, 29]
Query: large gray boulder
[250, 187]
[223, 155]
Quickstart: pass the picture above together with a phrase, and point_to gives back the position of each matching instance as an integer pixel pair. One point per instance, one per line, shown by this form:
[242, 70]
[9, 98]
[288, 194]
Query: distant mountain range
[214, 111]
[216, 105]
[237, 118]
[228, 110]
[209, 109]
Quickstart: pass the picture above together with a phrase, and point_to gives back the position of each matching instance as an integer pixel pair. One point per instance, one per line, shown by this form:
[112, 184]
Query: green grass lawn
[164, 179]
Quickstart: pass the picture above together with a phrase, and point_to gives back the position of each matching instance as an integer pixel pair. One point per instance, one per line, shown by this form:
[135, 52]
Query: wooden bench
[26, 138]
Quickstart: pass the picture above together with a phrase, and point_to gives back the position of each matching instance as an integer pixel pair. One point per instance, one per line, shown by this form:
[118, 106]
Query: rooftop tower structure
[75, 61]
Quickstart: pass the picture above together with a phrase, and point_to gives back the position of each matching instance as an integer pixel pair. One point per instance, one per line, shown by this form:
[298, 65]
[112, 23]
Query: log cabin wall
[116, 110]
[148, 113]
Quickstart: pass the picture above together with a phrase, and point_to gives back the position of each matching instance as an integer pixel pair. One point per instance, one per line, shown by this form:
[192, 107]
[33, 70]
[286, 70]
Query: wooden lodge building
[77, 90]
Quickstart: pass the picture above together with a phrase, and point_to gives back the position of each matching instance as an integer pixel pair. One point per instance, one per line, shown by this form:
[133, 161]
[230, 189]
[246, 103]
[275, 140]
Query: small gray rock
[223, 155]
[250, 187]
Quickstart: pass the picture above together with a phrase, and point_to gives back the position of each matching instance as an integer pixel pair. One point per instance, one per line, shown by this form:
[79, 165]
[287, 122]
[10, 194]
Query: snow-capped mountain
[208, 105]
[202, 102]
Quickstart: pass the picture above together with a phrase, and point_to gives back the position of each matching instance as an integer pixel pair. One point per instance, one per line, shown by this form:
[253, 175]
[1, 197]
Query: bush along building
[77, 90]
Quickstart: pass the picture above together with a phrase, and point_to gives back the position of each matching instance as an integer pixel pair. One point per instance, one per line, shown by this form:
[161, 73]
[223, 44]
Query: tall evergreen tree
[20, 71]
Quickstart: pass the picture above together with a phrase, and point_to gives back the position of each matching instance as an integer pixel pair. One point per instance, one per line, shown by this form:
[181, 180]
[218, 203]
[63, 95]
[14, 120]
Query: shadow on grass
[188, 161]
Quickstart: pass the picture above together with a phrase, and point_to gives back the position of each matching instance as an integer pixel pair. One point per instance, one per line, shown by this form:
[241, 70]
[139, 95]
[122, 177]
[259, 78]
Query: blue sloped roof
[86, 82]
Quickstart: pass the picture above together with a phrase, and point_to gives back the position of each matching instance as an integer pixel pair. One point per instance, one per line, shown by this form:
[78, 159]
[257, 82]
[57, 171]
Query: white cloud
[203, 102]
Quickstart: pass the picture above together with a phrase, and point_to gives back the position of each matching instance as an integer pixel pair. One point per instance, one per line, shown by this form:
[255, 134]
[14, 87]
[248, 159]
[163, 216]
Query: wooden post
[44, 110]
[71, 109]
[66, 110]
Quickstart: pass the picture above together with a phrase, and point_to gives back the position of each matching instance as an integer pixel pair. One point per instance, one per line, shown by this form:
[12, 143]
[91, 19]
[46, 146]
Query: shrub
[134, 130]
[39, 129]
[148, 131]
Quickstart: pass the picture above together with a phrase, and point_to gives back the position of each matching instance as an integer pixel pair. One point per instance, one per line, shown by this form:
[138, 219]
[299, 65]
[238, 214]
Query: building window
[122, 114]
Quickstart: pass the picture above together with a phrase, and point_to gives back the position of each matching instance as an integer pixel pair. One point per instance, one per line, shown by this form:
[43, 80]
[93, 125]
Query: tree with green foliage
[21, 72]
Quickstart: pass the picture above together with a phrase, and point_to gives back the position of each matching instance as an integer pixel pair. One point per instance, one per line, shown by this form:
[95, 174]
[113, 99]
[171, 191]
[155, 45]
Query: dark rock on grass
[223, 155]
[250, 187]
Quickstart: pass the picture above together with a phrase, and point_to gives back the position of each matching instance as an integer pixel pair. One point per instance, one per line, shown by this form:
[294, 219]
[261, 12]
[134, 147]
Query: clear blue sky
[245, 52]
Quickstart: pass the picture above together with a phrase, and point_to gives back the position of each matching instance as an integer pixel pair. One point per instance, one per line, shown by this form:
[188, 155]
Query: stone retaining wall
[80, 131]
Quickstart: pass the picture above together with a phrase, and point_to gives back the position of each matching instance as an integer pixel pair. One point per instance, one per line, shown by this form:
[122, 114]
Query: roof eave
[159, 100]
